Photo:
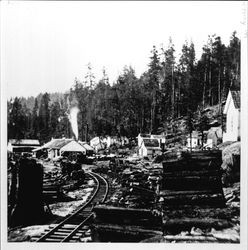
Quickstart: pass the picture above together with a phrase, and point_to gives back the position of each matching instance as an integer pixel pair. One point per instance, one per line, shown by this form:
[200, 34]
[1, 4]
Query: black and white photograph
[124, 122]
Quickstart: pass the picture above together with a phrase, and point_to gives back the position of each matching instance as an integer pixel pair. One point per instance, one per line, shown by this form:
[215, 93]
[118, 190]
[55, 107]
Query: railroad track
[76, 225]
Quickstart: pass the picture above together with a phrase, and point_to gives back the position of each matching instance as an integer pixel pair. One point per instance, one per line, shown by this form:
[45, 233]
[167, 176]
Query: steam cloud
[73, 120]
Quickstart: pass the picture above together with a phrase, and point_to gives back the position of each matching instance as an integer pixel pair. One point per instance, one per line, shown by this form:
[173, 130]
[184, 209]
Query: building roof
[54, 144]
[24, 142]
[151, 142]
[95, 141]
[232, 96]
[73, 146]
[85, 145]
[236, 98]
[57, 143]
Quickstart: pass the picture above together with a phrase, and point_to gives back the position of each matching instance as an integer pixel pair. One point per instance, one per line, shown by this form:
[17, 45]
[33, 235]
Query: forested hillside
[169, 89]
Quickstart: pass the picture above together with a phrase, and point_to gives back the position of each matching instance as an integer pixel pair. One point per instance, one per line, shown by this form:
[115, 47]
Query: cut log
[194, 161]
[126, 216]
[190, 238]
[212, 153]
[193, 173]
[185, 224]
[192, 183]
[187, 192]
[121, 210]
[200, 211]
[190, 165]
[121, 233]
[199, 199]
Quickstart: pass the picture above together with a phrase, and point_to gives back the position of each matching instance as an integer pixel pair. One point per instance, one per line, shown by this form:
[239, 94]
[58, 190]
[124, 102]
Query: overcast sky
[45, 45]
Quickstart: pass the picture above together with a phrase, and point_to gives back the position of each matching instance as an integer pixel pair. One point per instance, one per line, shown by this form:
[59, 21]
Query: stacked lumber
[194, 179]
[191, 186]
[119, 224]
[121, 233]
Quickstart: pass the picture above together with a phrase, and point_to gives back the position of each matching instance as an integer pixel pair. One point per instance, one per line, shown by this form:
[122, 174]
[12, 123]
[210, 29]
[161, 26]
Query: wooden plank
[190, 238]
[187, 192]
[185, 223]
[125, 229]
[193, 200]
[192, 173]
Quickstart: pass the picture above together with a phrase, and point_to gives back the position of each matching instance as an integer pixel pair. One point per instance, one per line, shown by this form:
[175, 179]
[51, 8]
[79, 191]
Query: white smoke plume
[73, 120]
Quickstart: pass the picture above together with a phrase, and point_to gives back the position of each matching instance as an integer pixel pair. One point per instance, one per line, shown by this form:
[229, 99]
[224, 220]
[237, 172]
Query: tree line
[169, 89]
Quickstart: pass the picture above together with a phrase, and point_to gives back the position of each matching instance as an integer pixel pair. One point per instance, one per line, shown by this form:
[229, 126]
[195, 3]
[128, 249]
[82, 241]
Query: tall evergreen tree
[16, 120]
[153, 81]
[35, 120]
[149, 103]
[44, 117]
[168, 87]
[234, 58]
[187, 79]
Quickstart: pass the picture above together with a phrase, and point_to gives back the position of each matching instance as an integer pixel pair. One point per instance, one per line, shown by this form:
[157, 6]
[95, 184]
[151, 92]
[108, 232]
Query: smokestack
[73, 120]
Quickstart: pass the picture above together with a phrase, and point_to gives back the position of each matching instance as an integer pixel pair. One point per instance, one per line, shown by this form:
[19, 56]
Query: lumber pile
[191, 185]
[119, 224]
[137, 180]
[193, 179]
[121, 233]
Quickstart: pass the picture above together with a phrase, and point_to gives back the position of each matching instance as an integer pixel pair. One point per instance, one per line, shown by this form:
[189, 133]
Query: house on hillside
[22, 145]
[149, 147]
[159, 138]
[140, 138]
[111, 140]
[232, 112]
[195, 141]
[115, 140]
[97, 144]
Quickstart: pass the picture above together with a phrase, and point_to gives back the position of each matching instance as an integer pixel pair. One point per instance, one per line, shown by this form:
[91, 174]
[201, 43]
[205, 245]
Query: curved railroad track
[76, 225]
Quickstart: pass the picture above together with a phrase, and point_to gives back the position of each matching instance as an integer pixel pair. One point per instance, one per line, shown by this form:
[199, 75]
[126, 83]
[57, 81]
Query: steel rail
[88, 218]
[96, 178]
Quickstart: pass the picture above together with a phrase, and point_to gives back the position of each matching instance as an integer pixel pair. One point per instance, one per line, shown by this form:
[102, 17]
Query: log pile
[191, 197]
[118, 224]
[194, 179]
[137, 182]
[191, 185]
